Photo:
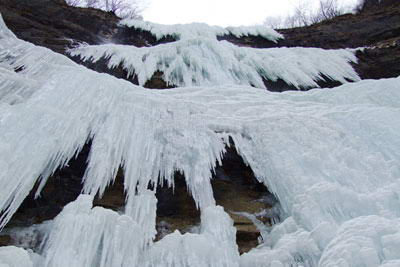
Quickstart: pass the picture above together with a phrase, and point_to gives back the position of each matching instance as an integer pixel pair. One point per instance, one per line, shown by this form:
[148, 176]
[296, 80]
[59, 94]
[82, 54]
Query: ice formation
[190, 31]
[331, 157]
[207, 62]
[197, 58]
[14, 257]
[84, 236]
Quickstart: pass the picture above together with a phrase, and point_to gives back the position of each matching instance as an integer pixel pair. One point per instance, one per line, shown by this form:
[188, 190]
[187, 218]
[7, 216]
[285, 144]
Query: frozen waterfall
[330, 156]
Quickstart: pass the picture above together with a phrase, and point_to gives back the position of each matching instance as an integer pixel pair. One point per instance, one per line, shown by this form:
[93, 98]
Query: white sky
[219, 12]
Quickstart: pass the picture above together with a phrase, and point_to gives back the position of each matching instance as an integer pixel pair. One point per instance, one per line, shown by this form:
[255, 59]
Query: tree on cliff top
[122, 8]
[306, 13]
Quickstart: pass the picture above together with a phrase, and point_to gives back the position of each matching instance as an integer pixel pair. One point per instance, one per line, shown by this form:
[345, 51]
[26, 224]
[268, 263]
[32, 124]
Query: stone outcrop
[55, 25]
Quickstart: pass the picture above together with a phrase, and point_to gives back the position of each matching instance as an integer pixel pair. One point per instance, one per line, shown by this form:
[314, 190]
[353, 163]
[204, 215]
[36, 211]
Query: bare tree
[122, 8]
[92, 3]
[328, 9]
[305, 14]
[276, 22]
[132, 13]
[117, 6]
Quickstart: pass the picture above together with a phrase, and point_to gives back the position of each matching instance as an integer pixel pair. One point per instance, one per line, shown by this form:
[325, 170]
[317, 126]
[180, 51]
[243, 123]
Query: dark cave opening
[234, 184]
[61, 188]
[237, 189]
[176, 209]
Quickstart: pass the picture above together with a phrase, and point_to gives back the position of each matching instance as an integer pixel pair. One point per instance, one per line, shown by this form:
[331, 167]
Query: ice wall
[330, 156]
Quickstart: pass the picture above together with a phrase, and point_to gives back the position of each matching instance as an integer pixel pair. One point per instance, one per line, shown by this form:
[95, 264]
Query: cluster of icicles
[330, 156]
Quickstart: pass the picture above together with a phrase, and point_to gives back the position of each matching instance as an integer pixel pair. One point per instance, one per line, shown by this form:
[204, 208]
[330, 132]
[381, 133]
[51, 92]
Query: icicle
[207, 62]
[142, 209]
[93, 237]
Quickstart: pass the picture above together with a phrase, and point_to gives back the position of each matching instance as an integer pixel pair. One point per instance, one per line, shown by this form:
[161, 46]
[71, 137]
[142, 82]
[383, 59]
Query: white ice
[207, 62]
[330, 156]
[14, 257]
[194, 30]
[97, 237]
[83, 236]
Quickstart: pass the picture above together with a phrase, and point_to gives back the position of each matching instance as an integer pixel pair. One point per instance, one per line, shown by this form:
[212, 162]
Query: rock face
[376, 27]
[348, 31]
[373, 4]
[53, 24]
[379, 61]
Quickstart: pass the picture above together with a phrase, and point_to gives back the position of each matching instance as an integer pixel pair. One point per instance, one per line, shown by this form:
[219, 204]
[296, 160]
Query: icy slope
[330, 156]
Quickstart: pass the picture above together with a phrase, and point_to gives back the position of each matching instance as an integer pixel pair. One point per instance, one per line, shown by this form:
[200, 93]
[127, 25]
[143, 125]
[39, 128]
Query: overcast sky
[219, 12]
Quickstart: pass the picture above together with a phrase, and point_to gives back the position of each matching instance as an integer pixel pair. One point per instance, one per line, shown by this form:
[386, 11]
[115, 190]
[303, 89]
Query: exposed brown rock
[139, 38]
[374, 27]
[114, 196]
[366, 5]
[56, 25]
[176, 209]
[346, 31]
[5, 240]
[379, 62]
[156, 82]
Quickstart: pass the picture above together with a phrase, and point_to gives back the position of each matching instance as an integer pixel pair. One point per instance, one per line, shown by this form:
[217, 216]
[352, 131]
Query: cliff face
[55, 25]
[377, 28]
